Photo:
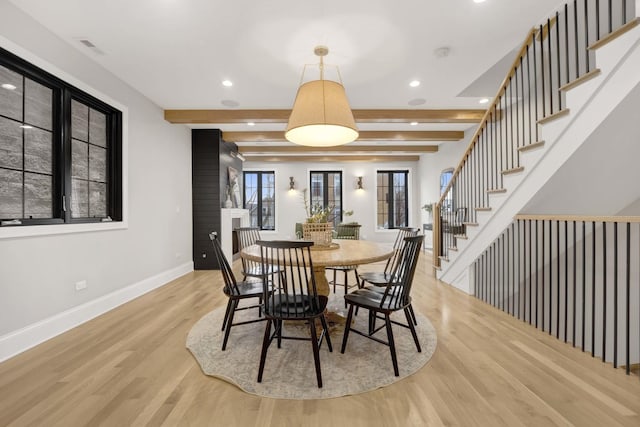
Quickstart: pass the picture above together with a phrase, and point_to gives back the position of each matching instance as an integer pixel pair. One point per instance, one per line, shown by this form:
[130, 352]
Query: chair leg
[347, 328]
[335, 270]
[229, 324]
[372, 322]
[325, 327]
[407, 314]
[413, 315]
[226, 314]
[346, 285]
[278, 325]
[392, 344]
[316, 350]
[265, 346]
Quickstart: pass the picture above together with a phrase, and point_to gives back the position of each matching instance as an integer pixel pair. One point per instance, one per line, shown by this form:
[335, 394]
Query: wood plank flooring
[130, 367]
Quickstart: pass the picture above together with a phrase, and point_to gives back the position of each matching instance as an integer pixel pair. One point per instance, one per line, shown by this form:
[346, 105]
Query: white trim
[43, 230]
[23, 339]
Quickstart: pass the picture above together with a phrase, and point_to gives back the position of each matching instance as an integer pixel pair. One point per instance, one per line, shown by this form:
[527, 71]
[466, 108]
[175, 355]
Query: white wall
[290, 206]
[424, 186]
[431, 165]
[37, 274]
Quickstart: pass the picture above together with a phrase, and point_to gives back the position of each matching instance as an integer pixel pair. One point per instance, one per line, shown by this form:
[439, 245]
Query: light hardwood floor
[130, 367]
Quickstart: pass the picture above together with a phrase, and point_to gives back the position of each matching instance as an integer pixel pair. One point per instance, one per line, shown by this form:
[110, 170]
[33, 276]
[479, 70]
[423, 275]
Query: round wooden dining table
[341, 253]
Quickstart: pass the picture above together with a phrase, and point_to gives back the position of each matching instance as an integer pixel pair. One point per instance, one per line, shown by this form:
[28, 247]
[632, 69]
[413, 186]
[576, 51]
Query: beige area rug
[289, 371]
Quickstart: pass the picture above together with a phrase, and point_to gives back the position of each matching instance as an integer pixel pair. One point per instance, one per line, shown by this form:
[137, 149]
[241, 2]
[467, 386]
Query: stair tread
[513, 170]
[461, 236]
[483, 209]
[496, 191]
[531, 146]
[471, 224]
[553, 116]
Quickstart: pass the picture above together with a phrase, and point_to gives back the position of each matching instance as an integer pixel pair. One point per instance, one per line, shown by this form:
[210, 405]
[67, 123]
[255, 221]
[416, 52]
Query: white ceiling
[177, 52]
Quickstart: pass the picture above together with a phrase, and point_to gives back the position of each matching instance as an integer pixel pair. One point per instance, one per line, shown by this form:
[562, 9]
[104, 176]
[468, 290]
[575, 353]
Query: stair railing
[554, 56]
[575, 277]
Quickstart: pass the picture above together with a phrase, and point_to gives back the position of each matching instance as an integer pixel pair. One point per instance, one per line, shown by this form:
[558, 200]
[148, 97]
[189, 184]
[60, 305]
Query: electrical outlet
[82, 284]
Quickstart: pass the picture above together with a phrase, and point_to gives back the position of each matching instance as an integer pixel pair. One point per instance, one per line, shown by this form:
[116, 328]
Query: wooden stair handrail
[572, 218]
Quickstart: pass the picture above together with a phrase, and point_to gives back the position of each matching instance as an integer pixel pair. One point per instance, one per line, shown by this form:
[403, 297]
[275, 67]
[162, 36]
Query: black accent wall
[210, 159]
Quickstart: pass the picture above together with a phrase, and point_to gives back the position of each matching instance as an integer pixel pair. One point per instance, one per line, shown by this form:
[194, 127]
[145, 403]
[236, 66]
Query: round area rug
[289, 371]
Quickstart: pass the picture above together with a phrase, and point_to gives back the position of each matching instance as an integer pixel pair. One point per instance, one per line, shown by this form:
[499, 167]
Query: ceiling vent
[90, 45]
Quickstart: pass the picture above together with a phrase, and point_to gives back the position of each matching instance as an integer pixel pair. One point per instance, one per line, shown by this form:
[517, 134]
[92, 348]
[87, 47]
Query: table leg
[333, 319]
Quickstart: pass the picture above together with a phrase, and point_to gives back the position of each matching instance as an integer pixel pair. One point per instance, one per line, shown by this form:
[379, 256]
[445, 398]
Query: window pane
[97, 164]
[97, 128]
[79, 198]
[38, 105]
[383, 205]
[38, 151]
[37, 196]
[10, 144]
[268, 201]
[11, 97]
[251, 197]
[79, 121]
[97, 199]
[10, 194]
[79, 159]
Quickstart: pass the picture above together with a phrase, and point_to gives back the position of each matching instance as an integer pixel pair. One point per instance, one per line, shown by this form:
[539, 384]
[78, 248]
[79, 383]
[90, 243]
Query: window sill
[48, 230]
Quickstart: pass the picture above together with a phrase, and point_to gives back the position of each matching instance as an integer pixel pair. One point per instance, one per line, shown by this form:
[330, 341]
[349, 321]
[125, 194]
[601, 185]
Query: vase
[228, 203]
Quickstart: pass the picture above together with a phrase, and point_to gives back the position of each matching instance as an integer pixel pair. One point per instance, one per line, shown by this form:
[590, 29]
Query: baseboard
[23, 339]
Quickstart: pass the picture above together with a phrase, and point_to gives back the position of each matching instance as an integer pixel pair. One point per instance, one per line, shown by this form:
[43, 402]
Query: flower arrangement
[315, 213]
[428, 207]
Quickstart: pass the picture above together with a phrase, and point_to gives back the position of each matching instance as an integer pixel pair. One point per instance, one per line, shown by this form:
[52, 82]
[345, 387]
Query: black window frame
[337, 210]
[62, 93]
[391, 202]
[259, 174]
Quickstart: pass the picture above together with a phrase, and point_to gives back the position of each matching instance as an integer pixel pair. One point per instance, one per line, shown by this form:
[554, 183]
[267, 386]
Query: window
[393, 205]
[326, 191]
[60, 150]
[259, 198]
[445, 178]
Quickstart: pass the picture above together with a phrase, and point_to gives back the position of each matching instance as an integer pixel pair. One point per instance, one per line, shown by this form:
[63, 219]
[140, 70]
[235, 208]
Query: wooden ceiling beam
[246, 150]
[361, 116]
[329, 158]
[427, 135]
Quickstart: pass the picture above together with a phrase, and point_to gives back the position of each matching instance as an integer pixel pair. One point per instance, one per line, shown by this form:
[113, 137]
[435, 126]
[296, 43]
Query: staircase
[568, 80]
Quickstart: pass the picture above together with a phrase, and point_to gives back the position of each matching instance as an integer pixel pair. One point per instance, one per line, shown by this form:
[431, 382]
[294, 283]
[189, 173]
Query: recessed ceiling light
[26, 127]
[478, 1]
[251, 124]
[483, 101]
[414, 123]
[414, 83]
[227, 83]
[8, 86]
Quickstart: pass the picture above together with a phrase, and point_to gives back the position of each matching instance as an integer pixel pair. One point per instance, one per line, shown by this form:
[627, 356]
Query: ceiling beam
[333, 159]
[426, 135]
[361, 116]
[348, 148]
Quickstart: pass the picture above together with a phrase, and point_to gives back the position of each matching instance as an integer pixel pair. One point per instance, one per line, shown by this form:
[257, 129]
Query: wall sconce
[292, 184]
[359, 184]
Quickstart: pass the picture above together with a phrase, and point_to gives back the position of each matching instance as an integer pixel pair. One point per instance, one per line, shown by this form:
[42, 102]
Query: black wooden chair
[248, 236]
[348, 232]
[383, 277]
[296, 299]
[396, 297]
[237, 291]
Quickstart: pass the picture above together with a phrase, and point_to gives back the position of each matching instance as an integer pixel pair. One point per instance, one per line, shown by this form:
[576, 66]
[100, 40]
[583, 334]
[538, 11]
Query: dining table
[341, 253]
